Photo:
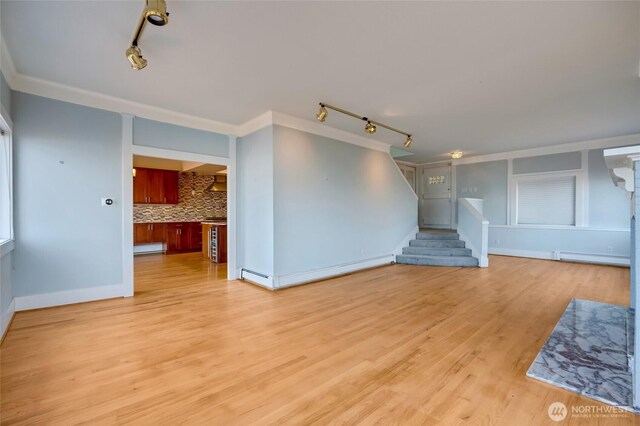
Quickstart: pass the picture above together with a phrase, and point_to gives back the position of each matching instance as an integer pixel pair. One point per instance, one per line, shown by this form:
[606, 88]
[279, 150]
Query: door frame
[128, 151]
[452, 179]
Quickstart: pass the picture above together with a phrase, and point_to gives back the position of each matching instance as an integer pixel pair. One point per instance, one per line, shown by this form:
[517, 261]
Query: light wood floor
[158, 272]
[393, 345]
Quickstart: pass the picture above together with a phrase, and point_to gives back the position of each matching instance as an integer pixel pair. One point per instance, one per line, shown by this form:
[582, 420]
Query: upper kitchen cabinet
[155, 186]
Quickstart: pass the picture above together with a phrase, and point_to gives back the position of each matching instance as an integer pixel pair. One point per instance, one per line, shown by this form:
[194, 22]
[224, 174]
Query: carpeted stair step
[426, 251]
[437, 235]
[412, 259]
[437, 243]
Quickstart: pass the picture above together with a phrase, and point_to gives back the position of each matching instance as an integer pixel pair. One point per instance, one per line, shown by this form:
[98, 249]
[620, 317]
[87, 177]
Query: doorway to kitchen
[179, 217]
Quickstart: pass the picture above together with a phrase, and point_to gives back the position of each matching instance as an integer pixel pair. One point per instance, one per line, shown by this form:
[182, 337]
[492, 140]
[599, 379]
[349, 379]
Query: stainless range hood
[219, 184]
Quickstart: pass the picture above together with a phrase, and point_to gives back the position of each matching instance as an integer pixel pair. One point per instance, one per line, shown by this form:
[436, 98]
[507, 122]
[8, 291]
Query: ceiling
[480, 77]
[177, 165]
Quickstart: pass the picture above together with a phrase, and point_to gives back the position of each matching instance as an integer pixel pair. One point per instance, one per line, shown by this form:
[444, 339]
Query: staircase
[437, 247]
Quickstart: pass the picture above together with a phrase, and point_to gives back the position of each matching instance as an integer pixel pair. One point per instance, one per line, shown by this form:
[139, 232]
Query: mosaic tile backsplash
[195, 203]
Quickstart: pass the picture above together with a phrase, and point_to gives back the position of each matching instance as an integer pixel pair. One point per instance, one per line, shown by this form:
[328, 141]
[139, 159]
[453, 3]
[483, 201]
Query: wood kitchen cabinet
[155, 186]
[147, 233]
[183, 237]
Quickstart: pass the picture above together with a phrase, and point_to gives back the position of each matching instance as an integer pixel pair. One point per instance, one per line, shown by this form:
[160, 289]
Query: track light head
[134, 55]
[156, 12]
[321, 116]
[370, 128]
[408, 142]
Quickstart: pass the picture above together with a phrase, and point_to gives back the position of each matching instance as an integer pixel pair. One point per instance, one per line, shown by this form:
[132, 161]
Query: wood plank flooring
[394, 345]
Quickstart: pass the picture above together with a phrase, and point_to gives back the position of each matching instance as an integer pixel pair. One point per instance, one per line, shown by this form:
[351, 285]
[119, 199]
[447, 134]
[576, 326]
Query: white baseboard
[255, 278]
[320, 274]
[557, 255]
[405, 242]
[548, 255]
[67, 297]
[593, 258]
[6, 318]
[148, 248]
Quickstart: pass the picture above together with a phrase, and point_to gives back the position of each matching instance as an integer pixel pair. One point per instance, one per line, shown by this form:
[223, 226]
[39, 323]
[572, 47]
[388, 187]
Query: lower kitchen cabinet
[147, 233]
[178, 237]
[183, 237]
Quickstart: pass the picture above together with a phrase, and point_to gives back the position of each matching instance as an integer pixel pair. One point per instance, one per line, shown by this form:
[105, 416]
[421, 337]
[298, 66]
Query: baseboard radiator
[604, 259]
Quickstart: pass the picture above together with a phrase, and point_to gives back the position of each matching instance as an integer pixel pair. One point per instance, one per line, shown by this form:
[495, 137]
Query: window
[6, 184]
[553, 199]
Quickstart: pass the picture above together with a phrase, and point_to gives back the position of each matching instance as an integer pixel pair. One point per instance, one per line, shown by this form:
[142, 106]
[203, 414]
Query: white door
[435, 200]
[409, 174]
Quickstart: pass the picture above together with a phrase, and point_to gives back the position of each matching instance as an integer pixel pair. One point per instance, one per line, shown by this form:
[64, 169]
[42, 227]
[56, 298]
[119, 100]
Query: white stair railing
[473, 228]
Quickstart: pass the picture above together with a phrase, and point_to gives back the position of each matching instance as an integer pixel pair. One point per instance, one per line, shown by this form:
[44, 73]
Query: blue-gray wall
[335, 203]
[5, 95]
[178, 138]
[489, 182]
[608, 210]
[255, 228]
[66, 157]
[609, 206]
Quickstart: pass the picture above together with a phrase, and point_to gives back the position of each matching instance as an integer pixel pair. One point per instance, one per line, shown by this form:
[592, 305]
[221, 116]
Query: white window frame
[6, 125]
[581, 204]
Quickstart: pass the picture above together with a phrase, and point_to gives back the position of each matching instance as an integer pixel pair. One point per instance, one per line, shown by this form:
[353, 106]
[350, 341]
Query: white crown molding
[320, 129]
[63, 92]
[255, 124]
[6, 63]
[612, 142]
[277, 118]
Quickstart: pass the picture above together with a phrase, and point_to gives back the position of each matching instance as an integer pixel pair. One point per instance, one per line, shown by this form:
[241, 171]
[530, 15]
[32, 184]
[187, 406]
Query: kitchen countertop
[211, 222]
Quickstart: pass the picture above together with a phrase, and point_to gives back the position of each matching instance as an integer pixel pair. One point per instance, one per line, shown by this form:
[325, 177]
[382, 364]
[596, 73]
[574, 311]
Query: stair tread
[446, 251]
[431, 256]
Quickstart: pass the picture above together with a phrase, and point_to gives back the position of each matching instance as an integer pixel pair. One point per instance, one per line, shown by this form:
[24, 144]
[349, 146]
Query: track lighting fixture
[321, 116]
[370, 127]
[134, 55]
[456, 154]
[155, 12]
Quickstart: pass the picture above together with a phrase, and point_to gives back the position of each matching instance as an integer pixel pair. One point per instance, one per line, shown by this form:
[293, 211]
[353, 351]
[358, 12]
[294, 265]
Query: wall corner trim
[68, 297]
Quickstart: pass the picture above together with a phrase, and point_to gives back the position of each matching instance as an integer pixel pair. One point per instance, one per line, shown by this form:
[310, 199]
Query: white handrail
[473, 228]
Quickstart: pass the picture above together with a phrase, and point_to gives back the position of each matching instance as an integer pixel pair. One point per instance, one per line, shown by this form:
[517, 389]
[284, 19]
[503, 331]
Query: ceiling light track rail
[155, 12]
[370, 127]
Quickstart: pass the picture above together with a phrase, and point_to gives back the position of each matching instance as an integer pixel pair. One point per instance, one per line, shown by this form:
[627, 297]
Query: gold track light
[155, 12]
[370, 127]
[134, 55]
[321, 116]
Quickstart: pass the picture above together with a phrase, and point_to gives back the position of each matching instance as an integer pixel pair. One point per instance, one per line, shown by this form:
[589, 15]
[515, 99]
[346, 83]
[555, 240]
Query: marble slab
[587, 353]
